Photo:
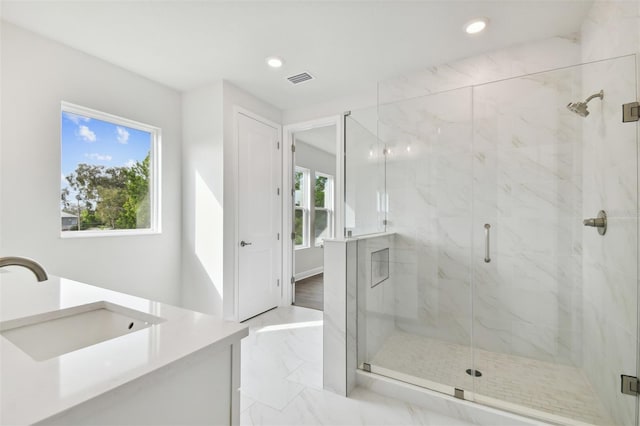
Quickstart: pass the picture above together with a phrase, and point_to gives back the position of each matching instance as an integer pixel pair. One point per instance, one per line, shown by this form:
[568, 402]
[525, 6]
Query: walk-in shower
[497, 292]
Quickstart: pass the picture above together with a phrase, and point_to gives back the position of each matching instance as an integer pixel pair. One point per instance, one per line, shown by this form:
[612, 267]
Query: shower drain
[474, 373]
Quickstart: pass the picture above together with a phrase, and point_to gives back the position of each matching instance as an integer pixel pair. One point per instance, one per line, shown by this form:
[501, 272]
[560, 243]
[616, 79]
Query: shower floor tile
[552, 388]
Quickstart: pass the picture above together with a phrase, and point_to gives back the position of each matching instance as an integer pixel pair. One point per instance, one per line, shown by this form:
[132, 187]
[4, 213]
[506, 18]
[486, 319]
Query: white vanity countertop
[31, 391]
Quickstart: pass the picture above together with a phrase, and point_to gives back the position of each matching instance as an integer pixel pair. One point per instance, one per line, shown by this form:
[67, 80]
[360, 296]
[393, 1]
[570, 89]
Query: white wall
[210, 194]
[202, 199]
[37, 74]
[309, 261]
[334, 107]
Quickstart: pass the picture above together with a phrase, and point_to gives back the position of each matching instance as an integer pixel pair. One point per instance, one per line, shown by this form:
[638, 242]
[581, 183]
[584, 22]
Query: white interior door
[259, 217]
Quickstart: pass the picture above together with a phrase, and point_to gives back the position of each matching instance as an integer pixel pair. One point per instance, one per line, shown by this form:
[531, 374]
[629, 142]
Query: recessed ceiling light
[476, 25]
[274, 62]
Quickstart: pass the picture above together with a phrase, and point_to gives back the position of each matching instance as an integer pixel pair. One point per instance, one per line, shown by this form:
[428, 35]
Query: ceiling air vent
[300, 78]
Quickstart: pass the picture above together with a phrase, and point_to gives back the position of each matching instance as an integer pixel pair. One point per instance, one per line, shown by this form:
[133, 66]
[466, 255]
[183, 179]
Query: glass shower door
[554, 301]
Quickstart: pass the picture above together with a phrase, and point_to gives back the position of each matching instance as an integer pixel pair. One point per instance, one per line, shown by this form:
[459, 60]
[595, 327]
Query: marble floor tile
[552, 388]
[308, 375]
[282, 380]
[246, 402]
[314, 407]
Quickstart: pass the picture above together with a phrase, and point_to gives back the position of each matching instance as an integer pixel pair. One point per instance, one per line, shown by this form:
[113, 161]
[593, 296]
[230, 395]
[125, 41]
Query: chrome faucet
[30, 264]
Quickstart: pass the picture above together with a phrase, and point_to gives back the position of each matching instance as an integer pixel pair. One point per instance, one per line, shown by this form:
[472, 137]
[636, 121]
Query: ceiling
[347, 45]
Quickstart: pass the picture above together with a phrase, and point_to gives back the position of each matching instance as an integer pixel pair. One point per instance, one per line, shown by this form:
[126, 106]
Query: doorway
[313, 209]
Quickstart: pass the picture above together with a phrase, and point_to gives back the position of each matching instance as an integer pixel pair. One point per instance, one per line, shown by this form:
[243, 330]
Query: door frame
[237, 111]
[287, 186]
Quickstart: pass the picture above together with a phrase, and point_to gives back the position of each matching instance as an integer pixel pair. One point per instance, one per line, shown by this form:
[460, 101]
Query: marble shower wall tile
[376, 310]
[429, 187]
[611, 29]
[497, 65]
[610, 157]
[508, 154]
[351, 307]
[527, 174]
[335, 317]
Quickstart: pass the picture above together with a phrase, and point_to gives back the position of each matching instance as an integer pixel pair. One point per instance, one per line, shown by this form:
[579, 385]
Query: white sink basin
[52, 334]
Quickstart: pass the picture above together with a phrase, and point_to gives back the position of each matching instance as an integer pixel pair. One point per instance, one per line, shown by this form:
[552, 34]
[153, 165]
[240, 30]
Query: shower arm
[600, 95]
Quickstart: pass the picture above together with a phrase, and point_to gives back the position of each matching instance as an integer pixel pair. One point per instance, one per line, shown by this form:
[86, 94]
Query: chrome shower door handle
[487, 256]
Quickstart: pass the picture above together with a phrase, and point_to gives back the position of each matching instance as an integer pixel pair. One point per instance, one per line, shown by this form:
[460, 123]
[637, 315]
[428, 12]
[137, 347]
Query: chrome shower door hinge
[366, 367]
[630, 112]
[629, 385]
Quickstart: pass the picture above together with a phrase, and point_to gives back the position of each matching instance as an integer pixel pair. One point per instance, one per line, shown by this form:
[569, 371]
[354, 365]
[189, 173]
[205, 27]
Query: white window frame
[328, 206]
[155, 177]
[304, 207]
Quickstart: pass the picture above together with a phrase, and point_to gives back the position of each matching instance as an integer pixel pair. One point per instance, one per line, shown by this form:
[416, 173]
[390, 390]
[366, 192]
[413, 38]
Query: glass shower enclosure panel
[502, 285]
[555, 301]
[365, 198]
[426, 333]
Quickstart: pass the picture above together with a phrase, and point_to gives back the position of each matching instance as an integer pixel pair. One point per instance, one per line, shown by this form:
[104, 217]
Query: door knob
[243, 243]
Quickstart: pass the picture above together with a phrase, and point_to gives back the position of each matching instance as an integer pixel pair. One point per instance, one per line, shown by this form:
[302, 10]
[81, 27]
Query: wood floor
[310, 292]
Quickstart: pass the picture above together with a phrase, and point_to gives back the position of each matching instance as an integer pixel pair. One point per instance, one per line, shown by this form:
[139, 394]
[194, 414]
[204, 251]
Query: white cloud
[75, 118]
[98, 157]
[123, 135]
[87, 134]
[130, 163]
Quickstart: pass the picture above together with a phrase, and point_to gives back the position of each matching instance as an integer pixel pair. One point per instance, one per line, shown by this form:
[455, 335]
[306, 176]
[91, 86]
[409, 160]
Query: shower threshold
[547, 391]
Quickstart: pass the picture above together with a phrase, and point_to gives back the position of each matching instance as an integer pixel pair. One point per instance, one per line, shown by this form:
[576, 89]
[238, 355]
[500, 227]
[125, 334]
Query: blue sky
[92, 141]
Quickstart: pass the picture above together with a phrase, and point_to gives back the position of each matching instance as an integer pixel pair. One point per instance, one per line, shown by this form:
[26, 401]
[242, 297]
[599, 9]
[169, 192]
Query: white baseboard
[311, 272]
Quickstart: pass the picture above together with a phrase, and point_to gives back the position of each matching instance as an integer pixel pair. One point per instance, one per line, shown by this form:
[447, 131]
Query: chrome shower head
[580, 108]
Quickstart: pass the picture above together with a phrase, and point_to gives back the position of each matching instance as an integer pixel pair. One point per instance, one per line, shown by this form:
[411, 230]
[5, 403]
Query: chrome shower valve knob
[599, 222]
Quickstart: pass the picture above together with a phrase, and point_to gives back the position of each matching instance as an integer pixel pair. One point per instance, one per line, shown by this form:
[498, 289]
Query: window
[313, 220]
[323, 208]
[109, 174]
[301, 217]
